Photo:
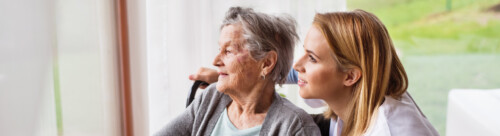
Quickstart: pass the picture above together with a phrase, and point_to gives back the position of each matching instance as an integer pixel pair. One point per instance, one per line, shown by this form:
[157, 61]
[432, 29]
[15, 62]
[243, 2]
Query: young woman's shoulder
[401, 117]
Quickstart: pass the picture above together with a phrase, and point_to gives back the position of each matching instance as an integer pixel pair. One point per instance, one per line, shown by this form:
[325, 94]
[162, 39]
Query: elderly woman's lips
[301, 83]
[222, 74]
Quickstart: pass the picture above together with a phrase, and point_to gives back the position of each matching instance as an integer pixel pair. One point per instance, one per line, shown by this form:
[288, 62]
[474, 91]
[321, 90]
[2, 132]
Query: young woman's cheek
[320, 80]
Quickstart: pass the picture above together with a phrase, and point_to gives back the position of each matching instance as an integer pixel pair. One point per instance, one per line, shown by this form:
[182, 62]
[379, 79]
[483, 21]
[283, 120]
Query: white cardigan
[400, 118]
[394, 118]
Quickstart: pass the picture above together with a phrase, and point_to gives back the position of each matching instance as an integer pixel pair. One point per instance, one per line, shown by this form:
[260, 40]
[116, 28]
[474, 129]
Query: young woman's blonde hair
[358, 39]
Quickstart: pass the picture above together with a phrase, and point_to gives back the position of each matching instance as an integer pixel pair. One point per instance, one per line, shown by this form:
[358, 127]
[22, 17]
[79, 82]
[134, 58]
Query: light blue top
[292, 77]
[225, 127]
[336, 127]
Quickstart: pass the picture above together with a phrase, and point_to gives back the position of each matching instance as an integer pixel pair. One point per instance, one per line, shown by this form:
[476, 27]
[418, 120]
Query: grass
[433, 76]
[465, 31]
[441, 49]
[415, 24]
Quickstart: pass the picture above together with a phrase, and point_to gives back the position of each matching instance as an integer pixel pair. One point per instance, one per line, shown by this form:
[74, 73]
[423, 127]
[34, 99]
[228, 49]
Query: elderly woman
[256, 52]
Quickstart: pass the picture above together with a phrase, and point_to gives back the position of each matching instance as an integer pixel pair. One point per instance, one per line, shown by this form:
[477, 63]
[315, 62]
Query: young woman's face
[319, 74]
[237, 69]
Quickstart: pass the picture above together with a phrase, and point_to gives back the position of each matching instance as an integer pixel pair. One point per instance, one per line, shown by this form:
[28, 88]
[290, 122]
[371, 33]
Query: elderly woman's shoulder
[288, 117]
[211, 91]
[293, 110]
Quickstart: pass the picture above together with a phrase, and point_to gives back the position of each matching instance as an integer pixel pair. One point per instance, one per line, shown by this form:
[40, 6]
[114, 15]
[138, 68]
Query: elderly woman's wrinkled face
[238, 71]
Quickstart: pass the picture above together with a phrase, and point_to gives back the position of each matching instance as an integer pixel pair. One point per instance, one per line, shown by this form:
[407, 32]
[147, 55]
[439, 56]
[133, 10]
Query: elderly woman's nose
[217, 61]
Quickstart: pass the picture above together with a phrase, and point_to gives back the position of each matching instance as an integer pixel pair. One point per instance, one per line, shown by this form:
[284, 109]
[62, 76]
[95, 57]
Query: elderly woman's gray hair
[264, 33]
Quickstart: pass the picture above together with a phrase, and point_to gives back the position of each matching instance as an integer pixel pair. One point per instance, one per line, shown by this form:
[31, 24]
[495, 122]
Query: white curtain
[26, 35]
[86, 56]
[182, 36]
[58, 66]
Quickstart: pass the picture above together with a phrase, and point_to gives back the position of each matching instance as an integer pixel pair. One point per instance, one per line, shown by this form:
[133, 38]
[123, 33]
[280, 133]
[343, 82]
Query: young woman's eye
[312, 59]
[227, 51]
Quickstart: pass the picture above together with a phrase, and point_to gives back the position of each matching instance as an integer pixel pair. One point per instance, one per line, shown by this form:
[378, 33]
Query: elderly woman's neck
[257, 100]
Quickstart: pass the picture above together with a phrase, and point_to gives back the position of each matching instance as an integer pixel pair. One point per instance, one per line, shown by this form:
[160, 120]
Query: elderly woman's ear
[269, 62]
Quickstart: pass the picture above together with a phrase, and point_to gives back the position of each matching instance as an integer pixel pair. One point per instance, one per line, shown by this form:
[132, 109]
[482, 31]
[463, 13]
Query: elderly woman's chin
[222, 86]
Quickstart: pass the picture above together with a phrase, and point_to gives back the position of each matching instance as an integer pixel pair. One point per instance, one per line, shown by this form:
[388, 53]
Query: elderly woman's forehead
[231, 34]
[233, 29]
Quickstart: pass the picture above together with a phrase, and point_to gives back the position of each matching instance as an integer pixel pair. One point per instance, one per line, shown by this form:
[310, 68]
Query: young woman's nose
[298, 65]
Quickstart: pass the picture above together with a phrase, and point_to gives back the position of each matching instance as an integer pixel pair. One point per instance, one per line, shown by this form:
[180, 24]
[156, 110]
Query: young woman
[351, 64]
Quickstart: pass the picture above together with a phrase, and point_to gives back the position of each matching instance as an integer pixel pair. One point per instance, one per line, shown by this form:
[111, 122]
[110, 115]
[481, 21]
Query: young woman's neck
[340, 104]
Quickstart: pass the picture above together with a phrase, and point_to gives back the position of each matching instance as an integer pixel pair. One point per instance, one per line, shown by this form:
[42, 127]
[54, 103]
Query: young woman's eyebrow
[311, 52]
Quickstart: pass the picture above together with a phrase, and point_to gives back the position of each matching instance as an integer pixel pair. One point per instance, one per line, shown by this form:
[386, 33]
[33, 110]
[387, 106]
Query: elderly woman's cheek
[244, 67]
[250, 66]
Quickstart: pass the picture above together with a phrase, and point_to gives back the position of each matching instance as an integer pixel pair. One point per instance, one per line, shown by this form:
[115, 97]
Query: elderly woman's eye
[311, 58]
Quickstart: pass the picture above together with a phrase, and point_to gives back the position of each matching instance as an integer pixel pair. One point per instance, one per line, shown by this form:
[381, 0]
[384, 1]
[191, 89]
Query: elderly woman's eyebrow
[224, 44]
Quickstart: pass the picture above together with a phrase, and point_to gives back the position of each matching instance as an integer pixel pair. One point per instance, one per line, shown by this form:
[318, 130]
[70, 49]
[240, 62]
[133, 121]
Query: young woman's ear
[269, 62]
[352, 76]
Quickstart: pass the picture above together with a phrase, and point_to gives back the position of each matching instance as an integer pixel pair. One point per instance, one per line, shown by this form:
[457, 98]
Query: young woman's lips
[302, 83]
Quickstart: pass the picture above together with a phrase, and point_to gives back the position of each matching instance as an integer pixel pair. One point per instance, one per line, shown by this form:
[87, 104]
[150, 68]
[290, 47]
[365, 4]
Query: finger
[195, 77]
[203, 77]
